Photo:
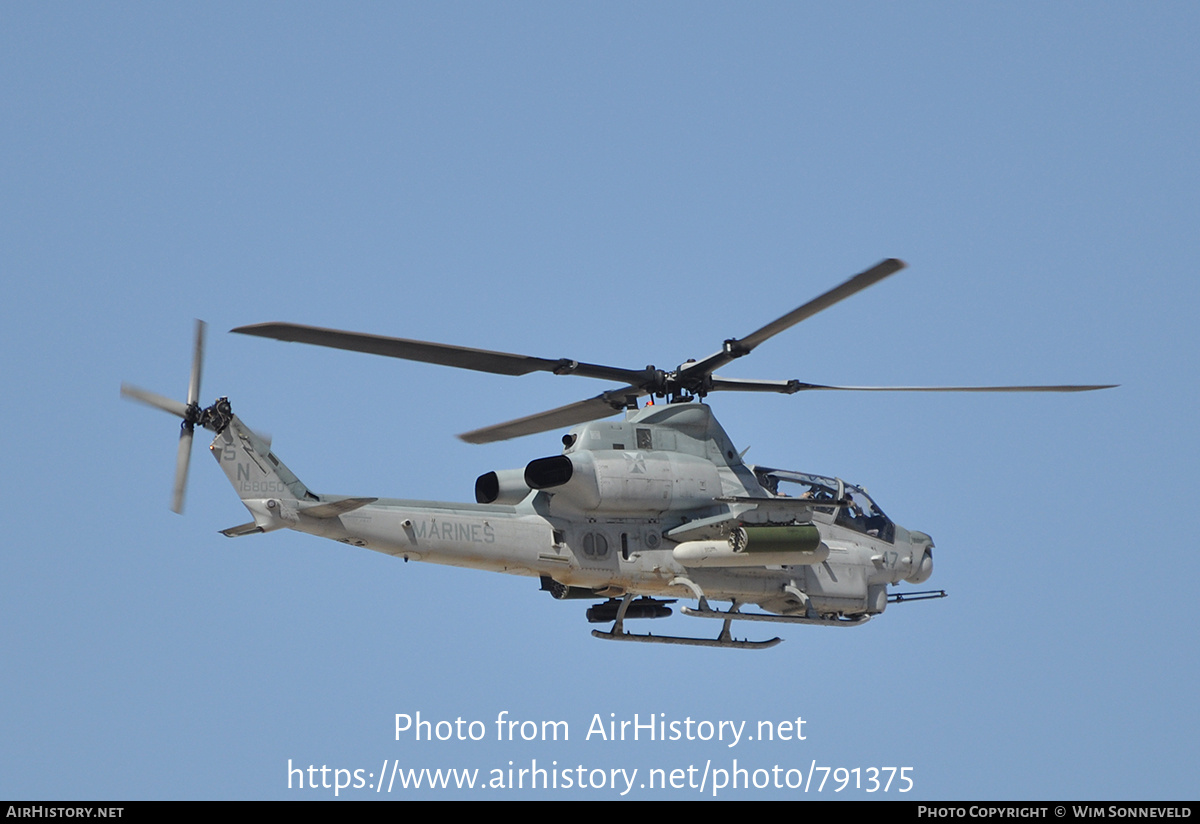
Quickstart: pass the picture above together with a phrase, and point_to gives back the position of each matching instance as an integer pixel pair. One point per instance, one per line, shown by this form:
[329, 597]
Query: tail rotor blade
[168, 405]
[193, 395]
[181, 468]
[189, 413]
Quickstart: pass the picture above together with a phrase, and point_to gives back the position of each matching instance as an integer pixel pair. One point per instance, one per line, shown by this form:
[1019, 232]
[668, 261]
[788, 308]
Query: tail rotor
[216, 417]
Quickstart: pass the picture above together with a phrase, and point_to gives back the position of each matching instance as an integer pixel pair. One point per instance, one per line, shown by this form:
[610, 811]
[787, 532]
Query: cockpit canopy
[861, 515]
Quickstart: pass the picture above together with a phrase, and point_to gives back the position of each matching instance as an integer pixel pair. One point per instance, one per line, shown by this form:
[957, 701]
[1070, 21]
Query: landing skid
[618, 633]
[723, 641]
[778, 619]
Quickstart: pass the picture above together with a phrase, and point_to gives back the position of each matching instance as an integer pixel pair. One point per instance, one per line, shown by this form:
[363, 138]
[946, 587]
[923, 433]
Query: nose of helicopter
[922, 549]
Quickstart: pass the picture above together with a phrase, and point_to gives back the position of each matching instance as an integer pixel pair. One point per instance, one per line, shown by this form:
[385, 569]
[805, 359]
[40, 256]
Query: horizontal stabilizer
[336, 508]
[241, 529]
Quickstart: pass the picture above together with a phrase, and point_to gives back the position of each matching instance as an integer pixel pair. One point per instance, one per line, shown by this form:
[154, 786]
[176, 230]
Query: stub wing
[747, 510]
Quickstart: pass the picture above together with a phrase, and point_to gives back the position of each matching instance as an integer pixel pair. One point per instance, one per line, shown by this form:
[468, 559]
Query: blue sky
[622, 184]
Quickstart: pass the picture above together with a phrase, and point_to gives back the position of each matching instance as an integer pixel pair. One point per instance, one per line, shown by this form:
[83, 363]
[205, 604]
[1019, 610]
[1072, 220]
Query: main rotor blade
[181, 469]
[592, 409]
[168, 405]
[738, 347]
[462, 357]
[193, 395]
[720, 384]
[800, 387]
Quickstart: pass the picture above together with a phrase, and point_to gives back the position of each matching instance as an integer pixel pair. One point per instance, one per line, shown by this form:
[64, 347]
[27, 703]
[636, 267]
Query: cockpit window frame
[863, 515]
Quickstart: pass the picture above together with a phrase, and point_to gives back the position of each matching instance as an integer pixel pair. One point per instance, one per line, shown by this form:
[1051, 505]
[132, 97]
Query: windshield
[860, 514]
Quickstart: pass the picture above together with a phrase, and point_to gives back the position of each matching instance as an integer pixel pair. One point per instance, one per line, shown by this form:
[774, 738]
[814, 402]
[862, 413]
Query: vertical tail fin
[267, 488]
[252, 468]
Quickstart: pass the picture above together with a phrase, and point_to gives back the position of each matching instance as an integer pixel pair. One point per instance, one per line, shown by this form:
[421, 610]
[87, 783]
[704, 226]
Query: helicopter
[635, 513]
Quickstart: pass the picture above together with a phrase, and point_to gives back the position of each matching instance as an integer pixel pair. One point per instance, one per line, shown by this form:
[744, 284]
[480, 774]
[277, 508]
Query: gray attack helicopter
[635, 512]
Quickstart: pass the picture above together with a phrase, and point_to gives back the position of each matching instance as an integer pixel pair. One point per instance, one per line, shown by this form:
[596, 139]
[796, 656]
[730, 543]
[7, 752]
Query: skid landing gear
[725, 639]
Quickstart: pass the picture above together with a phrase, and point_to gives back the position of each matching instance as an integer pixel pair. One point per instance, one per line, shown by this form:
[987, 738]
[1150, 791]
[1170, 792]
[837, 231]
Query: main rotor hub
[678, 387]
